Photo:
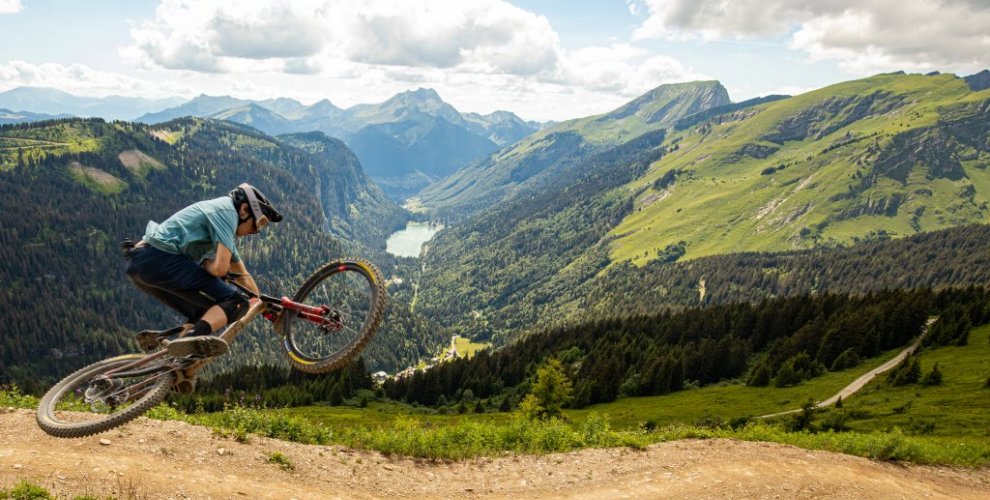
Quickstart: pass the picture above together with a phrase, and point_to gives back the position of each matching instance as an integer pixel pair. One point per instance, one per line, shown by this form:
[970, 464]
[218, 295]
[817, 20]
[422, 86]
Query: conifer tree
[934, 377]
[551, 392]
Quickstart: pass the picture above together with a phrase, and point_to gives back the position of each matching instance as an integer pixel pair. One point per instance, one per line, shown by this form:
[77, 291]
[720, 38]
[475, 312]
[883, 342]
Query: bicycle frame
[269, 307]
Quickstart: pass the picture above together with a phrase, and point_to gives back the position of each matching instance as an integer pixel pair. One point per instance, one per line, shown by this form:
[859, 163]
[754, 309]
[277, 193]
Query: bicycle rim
[92, 400]
[353, 297]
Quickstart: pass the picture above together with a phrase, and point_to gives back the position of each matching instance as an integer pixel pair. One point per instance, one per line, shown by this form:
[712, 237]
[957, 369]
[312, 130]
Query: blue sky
[542, 59]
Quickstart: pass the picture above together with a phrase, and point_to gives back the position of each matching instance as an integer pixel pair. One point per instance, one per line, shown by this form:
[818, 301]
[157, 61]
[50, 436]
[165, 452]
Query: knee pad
[235, 307]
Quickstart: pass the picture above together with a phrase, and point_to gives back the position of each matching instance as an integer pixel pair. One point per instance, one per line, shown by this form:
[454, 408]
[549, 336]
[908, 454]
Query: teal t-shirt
[195, 230]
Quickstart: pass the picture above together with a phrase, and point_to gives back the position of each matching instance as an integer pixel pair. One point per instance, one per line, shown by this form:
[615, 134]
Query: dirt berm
[154, 459]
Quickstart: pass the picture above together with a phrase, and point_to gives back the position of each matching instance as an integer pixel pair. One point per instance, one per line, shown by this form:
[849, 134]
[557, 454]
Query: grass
[280, 460]
[725, 402]
[26, 491]
[466, 348]
[959, 407]
[947, 424]
[467, 436]
[96, 180]
[730, 205]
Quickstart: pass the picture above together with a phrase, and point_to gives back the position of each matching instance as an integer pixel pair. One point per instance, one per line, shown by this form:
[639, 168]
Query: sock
[201, 328]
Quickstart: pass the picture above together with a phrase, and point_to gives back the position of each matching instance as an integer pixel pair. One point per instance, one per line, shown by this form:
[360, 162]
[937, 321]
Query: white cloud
[864, 36]
[480, 46]
[83, 80]
[218, 36]
[10, 6]
[622, 69]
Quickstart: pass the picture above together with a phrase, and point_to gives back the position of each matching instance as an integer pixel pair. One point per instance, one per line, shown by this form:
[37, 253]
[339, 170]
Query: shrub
[933, 377]
[906, 372]
[835, 421]
[848, 359]
[649, 425]
[26, 491]
[803, 420]
[12, 396]
[280, 460]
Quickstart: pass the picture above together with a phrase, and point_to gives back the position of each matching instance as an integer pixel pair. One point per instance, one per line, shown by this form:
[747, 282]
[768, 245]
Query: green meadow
[942, 424]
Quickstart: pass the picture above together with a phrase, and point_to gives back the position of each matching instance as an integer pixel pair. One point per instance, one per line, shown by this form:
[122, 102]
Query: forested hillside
[72, 189]
[781, 341]
[558, 224]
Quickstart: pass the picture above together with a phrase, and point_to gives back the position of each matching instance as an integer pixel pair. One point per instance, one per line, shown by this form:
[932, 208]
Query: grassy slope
[625, 123]
[58, 138]
[958, 407]
[725, 402]
[726, 205]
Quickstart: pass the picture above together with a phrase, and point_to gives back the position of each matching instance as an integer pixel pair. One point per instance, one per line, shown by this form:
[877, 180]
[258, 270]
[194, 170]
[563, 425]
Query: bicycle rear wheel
[351, 295]
[96, 399]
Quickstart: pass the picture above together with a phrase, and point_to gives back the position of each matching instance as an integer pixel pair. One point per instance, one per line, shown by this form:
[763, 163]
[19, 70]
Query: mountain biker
[180, 262]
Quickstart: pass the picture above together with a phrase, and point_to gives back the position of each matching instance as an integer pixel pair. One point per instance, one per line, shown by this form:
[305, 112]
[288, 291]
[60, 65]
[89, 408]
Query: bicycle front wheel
[100, 397]
[350, 295]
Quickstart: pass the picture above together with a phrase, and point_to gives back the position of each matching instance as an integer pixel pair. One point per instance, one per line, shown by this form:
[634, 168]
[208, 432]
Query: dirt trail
[865, 378]
[154, 459]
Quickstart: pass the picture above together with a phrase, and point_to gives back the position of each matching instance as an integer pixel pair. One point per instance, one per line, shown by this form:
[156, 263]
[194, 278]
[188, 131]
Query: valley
[688, 264]
[409, 242]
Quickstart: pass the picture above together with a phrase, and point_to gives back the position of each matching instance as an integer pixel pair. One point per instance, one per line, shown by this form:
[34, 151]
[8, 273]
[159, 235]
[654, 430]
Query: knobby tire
[55, 426]
[293, 328]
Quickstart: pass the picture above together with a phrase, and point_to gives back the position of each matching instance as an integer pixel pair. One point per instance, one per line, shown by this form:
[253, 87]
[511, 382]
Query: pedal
[151, 340]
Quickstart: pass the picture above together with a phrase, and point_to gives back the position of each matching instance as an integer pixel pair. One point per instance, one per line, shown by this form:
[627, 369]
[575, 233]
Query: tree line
[778, 341]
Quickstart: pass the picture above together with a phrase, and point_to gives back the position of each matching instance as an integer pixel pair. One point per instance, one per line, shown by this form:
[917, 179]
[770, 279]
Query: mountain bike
[328, 321]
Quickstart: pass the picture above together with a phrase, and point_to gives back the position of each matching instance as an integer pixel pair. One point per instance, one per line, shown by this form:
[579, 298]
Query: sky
[541, 59]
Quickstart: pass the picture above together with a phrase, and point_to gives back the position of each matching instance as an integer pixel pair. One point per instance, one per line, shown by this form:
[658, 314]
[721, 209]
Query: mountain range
[48, 101]
[404, 143]
[682, 173]
[559, 223]
[8, 116]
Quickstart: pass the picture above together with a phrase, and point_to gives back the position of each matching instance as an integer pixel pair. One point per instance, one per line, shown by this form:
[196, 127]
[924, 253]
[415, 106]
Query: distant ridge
[43, 100]
[8, 116]
[405, 142]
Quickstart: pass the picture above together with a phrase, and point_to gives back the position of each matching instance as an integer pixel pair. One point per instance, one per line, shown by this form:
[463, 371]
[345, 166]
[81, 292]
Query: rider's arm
[244, 277]
[221, 265]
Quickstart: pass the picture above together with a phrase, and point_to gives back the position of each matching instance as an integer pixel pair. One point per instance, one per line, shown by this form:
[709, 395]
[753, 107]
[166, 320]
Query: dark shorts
[177, 281]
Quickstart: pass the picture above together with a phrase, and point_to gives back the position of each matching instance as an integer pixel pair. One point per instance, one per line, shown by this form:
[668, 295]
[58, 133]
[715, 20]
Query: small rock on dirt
[105, 442]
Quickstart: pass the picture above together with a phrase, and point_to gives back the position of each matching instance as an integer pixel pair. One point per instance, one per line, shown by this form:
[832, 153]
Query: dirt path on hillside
[865, 378]
[158, 460]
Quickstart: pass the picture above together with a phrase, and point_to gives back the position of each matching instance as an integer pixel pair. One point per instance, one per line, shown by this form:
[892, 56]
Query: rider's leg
[200, 342]
[188, 288]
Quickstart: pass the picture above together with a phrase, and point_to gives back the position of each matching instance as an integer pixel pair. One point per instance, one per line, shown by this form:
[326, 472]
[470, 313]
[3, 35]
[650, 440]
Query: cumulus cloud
[862, 35]
[82, 79]
[219, 36]
[620, 68]
[10, 6]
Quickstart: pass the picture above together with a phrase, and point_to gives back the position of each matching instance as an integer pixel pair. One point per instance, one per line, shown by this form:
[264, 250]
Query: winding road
[860, 382]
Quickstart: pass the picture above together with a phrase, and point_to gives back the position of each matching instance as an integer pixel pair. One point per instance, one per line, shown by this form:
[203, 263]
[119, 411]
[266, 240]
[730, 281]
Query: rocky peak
[979, 81]
[667, 103]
